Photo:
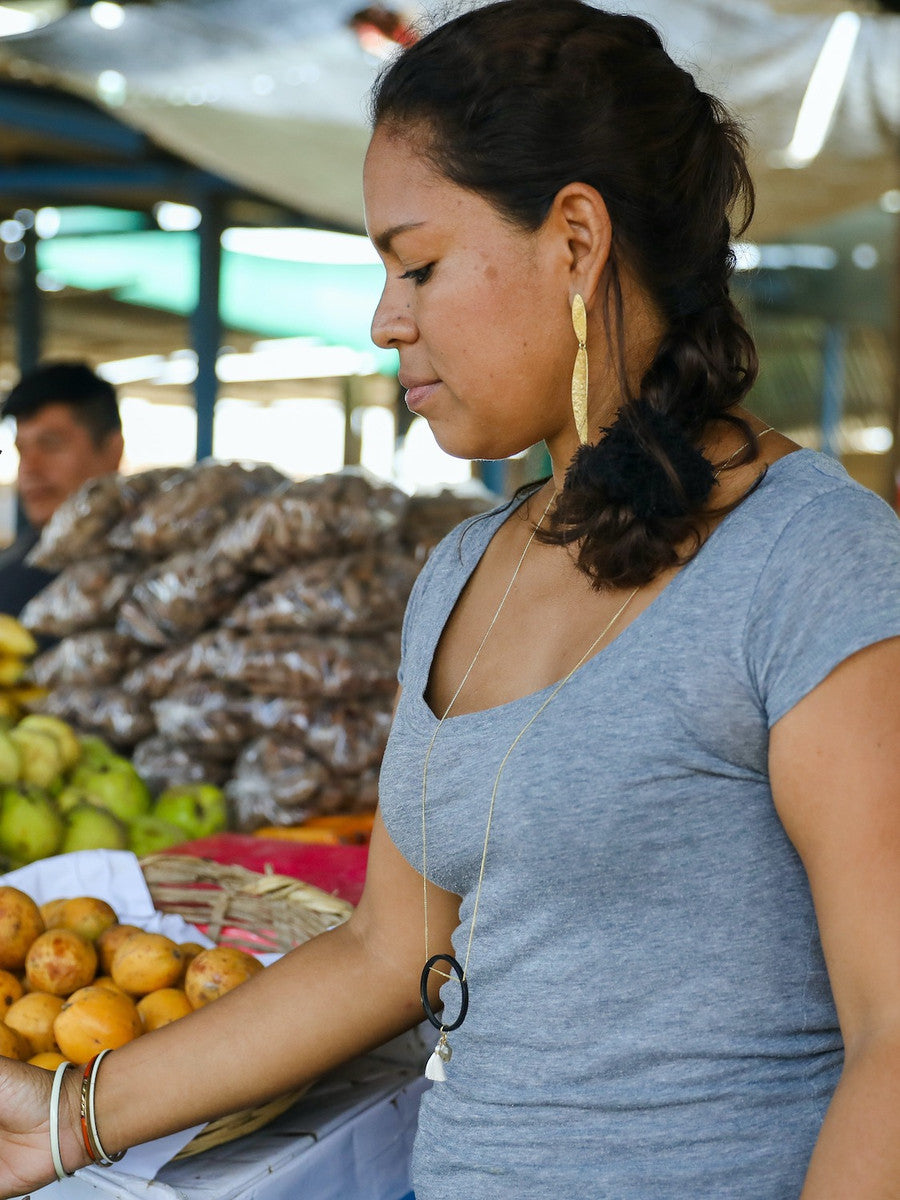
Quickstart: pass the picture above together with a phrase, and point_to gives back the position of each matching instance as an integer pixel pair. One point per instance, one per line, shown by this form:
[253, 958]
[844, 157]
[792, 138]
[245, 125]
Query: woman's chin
[474, 447]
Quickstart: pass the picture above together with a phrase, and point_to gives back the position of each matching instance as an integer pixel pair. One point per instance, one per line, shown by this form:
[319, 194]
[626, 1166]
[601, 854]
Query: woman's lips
[419, 393]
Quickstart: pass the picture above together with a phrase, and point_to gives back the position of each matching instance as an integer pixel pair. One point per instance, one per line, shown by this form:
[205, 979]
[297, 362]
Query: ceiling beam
[67, 119]
[61, 181]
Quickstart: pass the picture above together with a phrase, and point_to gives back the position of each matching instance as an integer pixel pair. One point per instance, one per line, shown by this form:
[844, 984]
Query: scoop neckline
[422, 707]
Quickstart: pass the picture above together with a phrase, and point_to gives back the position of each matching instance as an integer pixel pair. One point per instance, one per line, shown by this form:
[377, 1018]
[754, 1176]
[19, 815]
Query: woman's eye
[420, 275]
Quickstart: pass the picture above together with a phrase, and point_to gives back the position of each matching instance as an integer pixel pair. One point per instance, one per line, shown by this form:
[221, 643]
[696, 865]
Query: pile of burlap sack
[222, 623]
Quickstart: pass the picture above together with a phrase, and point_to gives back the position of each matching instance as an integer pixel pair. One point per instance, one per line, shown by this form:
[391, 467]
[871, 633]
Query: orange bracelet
[85, 1133]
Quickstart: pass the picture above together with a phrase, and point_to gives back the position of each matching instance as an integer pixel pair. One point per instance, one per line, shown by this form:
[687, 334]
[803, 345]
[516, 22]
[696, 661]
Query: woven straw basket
[258, 913]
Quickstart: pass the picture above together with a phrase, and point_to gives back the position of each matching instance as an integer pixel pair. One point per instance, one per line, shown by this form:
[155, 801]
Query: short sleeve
[413, 606]
[830, 587]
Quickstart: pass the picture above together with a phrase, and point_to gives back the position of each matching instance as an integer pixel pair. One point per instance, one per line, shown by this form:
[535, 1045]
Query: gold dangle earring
[580, 374]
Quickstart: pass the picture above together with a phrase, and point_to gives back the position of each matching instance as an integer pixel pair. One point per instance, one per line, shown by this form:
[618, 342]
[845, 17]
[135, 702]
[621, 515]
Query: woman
[647, 747]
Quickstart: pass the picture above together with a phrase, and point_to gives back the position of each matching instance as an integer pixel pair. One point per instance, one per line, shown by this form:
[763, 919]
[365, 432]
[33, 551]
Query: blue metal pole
[28, 306]
[494, 475]
[833, 375]
[206, 327]
[28, 324]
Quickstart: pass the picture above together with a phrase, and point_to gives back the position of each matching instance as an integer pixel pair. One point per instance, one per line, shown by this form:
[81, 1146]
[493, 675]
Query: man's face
[56, 455]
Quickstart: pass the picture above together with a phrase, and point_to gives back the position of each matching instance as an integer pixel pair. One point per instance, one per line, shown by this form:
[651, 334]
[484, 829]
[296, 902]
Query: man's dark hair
[92, 399]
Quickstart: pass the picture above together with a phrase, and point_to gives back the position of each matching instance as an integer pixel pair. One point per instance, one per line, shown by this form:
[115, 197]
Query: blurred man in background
[68, 430]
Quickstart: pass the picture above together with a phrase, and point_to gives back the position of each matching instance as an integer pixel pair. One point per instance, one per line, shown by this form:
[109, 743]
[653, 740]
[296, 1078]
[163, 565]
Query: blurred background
[180, 206]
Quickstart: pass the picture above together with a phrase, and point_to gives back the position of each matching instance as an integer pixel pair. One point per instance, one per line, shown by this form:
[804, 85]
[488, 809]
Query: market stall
[350, 1133]
[218, 658]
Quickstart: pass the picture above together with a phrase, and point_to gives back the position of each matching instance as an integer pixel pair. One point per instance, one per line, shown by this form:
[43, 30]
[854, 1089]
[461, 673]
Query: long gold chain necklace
[435, 1067]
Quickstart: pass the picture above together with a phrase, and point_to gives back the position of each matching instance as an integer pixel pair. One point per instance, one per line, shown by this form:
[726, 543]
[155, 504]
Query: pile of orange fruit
[75, 981]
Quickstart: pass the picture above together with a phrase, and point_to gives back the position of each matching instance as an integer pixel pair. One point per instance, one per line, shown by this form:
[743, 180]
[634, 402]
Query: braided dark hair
[520, 98]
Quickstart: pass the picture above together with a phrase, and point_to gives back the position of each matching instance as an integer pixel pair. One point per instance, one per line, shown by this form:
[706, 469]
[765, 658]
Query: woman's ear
[579, 216]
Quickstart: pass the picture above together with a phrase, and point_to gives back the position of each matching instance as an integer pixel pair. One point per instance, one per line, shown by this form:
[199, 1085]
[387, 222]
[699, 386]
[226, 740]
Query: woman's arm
[835, 769]
[336, 996]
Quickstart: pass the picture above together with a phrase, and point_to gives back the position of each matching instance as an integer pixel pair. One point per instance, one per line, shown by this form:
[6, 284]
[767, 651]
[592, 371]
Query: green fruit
[30, 826]
[94, 752]
[70, 796]
[91, 828]
[42, 761]
[10, 760]
[67, 739]
[115, 786]
[149, 835]
[199, 808]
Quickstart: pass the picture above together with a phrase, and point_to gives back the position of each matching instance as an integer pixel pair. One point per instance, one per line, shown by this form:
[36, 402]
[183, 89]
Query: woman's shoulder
[458, 552]
[806, 491]
[827, 577]
[807, 530]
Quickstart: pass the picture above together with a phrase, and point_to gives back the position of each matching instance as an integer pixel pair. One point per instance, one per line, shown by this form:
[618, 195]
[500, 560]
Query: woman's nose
[392, 323]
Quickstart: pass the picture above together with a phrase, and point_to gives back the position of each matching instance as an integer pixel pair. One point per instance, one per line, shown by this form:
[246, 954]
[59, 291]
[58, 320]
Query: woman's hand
[25, 1162]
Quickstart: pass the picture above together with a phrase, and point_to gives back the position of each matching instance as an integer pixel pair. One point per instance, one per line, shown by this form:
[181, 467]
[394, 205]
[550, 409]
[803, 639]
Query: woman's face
[477, 309]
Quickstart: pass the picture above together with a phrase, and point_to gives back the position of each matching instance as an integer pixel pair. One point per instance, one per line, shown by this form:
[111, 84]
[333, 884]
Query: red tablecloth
[340, 870]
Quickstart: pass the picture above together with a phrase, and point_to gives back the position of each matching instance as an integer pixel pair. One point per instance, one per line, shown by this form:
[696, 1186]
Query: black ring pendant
[464, 988]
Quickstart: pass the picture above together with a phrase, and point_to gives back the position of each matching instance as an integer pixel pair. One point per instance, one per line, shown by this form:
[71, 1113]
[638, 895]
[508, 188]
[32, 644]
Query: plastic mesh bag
[280, 664]
[162, 763]
[215, 720]
[81, 526]
[277, 782]
[120, 719]
[318, 517]
[355, 594]
[95, 658]
[203, 658]
[177, 599]
[85, 595]
[191, 506]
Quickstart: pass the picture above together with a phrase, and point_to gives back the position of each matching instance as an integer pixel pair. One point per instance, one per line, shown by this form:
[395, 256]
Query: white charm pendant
[434, 1068]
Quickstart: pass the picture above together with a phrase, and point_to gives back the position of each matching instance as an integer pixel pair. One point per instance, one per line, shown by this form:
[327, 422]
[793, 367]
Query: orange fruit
[107, 981]
[33, 1018]
[60, 961]
[48, 1059]
[162, 1006]
[20, 924]
[94, 1019]
[190, 950]
[146, 962]
[50, 910]
[12, 1044]
[86, 915]
[10, 990]
[217, 971]
[110, 940]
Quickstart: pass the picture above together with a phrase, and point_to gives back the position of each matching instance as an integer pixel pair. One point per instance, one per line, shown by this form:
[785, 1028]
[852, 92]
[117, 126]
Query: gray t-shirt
[650, 1012]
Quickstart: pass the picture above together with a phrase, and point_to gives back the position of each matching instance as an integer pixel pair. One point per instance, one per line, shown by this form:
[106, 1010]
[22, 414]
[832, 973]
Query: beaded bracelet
[61, 1172]
[89, 1133]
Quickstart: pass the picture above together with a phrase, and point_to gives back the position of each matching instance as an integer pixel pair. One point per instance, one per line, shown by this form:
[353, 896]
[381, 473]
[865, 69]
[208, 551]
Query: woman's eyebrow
[383, 240]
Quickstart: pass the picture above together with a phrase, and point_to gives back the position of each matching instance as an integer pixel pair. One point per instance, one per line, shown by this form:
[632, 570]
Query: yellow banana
[15, 640]
[11, 670]
[26, 693]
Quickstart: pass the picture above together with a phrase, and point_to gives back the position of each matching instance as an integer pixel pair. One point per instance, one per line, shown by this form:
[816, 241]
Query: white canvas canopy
[272, 93]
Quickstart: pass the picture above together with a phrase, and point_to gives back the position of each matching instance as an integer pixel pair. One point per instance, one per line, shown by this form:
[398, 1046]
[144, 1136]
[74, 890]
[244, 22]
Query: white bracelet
[106, 1160]
[61, 1172]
